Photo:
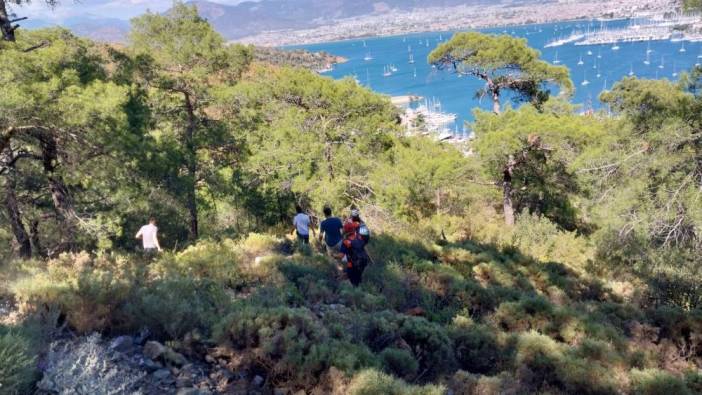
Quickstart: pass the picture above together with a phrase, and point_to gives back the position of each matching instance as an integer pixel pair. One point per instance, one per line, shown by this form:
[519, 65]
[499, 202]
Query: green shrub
[372, 382]
[399, 362]
[89, 291]
[17, 363]
[292, 343]
[656, 382]
[477, 350]
[175, 306]
[429, 341]
[528, 313]
[213, 260]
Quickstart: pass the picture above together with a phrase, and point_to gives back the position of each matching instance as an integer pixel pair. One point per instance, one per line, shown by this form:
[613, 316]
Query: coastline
[459, 18]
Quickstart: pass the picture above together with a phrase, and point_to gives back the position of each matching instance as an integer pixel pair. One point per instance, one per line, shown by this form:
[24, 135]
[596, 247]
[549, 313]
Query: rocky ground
[136, 365]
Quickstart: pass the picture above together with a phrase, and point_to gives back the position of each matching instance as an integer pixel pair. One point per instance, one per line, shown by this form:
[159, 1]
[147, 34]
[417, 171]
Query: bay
[601, 65]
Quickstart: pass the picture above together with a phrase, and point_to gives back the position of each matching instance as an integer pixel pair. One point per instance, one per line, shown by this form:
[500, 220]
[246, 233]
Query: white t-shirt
[148, 235]
[302, 223]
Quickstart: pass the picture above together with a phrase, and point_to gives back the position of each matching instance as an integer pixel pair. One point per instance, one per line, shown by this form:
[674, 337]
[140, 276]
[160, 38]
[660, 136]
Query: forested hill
[556, 253]
[250, 18]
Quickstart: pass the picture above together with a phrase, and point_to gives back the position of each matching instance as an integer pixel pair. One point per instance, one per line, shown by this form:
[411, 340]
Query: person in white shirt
[147, 233]
[301, 225]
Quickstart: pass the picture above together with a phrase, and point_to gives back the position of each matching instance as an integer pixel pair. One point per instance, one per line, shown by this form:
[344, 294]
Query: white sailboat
[599, 74]
[415, 72]
[682, 48]
[615, 47]
[393, 68]
[386, 71]
[411, 59]
[368, 57]
[631, 71]
[648, 59]
[599, 53]
[662, 65]
[589, 52]
[580, 62]
[585, 81]
[648, 49]
[555, 59]
[675, 72]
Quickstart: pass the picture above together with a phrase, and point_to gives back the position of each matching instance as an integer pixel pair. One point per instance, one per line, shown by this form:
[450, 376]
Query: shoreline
[458, 18]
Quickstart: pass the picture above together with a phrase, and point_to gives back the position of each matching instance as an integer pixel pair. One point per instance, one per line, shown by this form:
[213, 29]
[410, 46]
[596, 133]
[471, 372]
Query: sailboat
[589, 53]
[364, 43]
[648, 49]
[411, 59]
[675, 73]
[386, 71]
[415, 72]
[604, 88]
[631, 71]
[648, 59]
[368, 57]
[393, 68]
[615, 47]
[580, 62]
[555, 59]
[599, 74]
[585, 81]
[662, 65]
[682, 48]
[599, 53]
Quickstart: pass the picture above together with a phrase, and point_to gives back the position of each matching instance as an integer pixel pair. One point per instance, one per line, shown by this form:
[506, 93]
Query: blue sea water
[457, 95]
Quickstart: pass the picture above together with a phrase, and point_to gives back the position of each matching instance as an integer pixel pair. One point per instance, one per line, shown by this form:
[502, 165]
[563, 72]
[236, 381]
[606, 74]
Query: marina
[593, 67]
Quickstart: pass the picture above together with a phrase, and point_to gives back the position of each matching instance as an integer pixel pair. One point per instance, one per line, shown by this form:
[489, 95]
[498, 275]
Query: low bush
[657, 382]
[18, 368]
[477, 350]
[290, 343]
[372, 382]
[399, 362]
[429, 342]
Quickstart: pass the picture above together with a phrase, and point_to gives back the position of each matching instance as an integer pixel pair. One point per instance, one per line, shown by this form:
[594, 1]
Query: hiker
[359, 226]
[147, 233]
[353, 254]
[331, 230]
[301, 225]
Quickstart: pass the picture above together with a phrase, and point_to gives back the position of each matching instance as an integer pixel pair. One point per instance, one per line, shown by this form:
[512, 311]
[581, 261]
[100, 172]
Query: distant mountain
[99, 29]
[249, 18]
[93, 27]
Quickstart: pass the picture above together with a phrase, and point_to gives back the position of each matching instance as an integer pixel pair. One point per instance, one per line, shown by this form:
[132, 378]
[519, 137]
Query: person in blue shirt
[331, 230]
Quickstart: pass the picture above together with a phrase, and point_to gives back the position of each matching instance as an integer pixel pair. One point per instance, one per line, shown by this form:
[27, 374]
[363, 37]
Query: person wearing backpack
[353, 254]
[360, 227]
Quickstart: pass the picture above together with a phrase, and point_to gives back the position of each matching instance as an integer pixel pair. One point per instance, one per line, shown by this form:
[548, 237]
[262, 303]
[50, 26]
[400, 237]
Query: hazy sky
[122, 9]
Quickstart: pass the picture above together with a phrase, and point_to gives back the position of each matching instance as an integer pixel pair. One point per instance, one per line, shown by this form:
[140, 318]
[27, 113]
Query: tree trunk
[496, 108]
[34, 236]
[329, 157]
[8, 32]
[60, 195]
[507, 204]
[191, 151]
[15, 217]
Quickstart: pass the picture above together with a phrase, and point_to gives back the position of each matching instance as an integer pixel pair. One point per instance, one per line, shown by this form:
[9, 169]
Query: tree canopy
[504, 63]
